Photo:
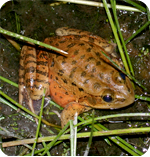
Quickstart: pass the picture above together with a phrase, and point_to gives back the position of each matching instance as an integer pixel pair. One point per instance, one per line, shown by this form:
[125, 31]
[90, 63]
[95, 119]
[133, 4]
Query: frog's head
[117, 92]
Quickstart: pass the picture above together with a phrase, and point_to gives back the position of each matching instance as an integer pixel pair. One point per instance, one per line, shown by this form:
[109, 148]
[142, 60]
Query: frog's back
[87, 74]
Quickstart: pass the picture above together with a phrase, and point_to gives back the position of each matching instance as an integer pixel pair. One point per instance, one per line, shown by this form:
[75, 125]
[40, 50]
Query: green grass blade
[44, 144]
[137, 32]
[124, 145]
[113, 3]
[142, 97]
[17, 23]
[129, 146]
[135, 5]
[49, 146]
[1, 143]
[95, 129]
[39, 124]
[8, 81]
[113, 116]
[21, 37]
[116, 139]
[116, 36]
[148, 15]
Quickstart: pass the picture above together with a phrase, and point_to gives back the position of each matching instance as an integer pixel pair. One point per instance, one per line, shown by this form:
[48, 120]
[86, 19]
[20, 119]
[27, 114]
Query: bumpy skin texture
[83, 80]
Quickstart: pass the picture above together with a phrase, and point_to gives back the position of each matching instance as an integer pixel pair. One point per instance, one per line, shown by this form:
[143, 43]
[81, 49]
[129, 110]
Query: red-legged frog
[80, 81]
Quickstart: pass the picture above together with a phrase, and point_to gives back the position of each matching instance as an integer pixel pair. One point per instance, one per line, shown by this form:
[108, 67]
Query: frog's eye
[122, 75]
[108, 95]
[107, 98]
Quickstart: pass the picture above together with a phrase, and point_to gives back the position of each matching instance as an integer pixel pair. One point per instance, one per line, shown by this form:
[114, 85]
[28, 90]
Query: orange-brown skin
[83, 80]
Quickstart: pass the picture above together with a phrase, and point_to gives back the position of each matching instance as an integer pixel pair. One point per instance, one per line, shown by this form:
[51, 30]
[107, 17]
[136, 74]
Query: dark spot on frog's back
[101, 75]
[61, 71]
[66, 93]
[72, 72]
[81, 44]
[83, 74]
[86, 81]
[97, 86]
[56, 78]
[91, 75]
[77, 37]
[62, 41]
[56, 44]
[51, 76]
[64, 80]
[88, 50]
[71, 45]
[63, 62]
[93, 70]
[89, 59]
[81, 90]
[73, 62]
[97, 54]
[91, 39]
[82, 56]
[76, 52]
[87, 66]
[98, 63]
[50, 41]
[74, 69]
[59, 74]
[108, 80]
[91, 45]
[73, 84]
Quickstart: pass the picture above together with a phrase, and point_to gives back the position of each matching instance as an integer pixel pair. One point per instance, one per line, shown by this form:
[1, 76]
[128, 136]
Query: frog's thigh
[70, 110]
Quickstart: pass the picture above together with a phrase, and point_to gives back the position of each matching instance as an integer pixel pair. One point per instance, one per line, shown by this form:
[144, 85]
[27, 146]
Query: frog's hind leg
[33, 76]
[71, 110]
[24, 96]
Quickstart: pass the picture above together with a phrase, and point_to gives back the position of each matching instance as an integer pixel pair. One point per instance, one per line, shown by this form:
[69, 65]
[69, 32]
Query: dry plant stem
[98, 4]
[79, 135]
[15, 44]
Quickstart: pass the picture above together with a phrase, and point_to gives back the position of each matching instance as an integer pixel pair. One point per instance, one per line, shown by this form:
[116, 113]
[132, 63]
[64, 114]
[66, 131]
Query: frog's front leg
[33, 74]
[70, 110]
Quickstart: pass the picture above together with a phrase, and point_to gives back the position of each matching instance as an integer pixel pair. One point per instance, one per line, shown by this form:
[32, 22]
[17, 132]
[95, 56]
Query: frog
[83, 79]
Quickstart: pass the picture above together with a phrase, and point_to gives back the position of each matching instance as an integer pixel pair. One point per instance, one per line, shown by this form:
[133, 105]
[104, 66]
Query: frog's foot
[70, 111]
[33, 105]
